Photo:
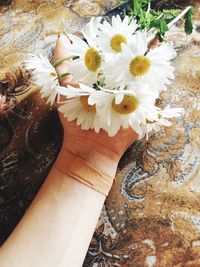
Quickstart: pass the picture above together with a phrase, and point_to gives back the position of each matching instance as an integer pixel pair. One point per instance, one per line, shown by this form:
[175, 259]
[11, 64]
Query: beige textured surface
[151, 216]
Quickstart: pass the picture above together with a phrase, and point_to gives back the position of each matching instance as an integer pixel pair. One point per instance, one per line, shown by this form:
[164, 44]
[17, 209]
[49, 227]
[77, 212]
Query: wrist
[98, 156]
[93, 173]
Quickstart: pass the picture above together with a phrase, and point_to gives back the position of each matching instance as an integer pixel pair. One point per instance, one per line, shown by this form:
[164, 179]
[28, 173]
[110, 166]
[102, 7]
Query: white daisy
[77, 107]
[111, 36]
[124, 108]
[44, 74]
[90, 31]
[137, 63]
[87, 66]
[162, 120]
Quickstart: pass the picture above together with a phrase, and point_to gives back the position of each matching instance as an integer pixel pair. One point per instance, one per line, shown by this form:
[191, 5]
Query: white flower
[125, 108]
[90, 31]
[162, 120]
[77, 107]
[111, 36]
[44, 74]
[137, 63]
[87, 66]
[71, 91]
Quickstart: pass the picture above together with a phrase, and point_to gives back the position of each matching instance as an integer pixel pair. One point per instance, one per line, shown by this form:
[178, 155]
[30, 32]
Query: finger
[154, 42]
[60, 53]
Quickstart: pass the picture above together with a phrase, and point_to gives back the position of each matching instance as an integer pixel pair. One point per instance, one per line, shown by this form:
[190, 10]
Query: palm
[82, 141]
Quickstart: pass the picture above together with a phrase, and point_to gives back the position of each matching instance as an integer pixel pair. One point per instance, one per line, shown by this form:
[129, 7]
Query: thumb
[61, 52]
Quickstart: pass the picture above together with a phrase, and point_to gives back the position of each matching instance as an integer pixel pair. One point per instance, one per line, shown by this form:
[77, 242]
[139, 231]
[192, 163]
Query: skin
[88, 144]
[58, 226]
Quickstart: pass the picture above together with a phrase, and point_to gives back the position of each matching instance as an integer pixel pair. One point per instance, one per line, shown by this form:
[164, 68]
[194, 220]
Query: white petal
[164, 52]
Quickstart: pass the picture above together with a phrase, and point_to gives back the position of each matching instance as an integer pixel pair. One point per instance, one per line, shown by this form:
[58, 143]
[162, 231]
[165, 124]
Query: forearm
[58, 226]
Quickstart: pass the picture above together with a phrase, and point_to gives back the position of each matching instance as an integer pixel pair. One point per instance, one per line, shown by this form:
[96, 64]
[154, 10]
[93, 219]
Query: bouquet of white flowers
[120, 78]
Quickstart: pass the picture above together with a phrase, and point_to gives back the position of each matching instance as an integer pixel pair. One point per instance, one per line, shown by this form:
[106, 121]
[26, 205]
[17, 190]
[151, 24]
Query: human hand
[100, 150]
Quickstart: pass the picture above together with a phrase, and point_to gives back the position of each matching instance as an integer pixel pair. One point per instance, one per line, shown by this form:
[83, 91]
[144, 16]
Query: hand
[100, 150]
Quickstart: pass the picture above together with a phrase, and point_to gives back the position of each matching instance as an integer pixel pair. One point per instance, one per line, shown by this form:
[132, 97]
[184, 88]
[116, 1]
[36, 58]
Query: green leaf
[163, 27]
[155, 23]
[142, 19]
[136, 6]
[188, 21]
[149, 18]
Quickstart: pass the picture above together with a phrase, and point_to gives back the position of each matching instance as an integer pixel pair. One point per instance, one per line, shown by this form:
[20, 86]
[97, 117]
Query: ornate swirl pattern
[151, 216]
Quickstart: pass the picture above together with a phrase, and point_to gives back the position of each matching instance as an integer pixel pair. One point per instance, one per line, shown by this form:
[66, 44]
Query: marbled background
[151, 216]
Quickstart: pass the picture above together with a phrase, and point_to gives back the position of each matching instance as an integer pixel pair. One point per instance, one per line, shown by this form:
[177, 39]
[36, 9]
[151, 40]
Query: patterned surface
[151, 216]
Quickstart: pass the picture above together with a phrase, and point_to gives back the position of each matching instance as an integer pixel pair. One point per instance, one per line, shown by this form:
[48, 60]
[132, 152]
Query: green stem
[171, 23]
[63, 75]
[59, 61]
[178, 17]
[148, 9]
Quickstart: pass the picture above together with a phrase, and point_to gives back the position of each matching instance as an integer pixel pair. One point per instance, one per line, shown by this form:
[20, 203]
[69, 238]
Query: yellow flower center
[84, 102]
[116, 42]
[139, 66]
[92, 59]
[52, 74]
[128, 105]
